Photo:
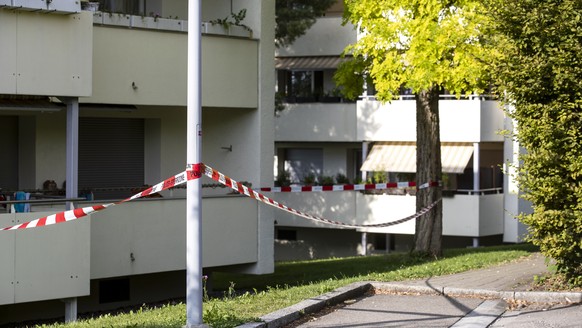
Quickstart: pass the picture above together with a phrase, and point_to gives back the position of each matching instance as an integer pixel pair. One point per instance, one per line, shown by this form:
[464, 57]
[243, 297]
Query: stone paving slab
[398, 311]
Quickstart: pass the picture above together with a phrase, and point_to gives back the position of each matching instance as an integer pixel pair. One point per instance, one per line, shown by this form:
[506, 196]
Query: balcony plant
[309, 179]
[230, 23]
[283, 179]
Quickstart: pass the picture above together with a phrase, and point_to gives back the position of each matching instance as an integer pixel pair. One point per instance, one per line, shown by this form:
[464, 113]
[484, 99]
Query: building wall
[327, 37]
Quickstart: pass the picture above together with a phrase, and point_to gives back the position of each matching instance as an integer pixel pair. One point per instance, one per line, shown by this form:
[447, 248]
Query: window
[300, 86]
[303, 163]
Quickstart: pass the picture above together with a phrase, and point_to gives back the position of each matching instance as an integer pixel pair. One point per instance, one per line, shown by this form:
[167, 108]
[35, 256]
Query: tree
[423, 45]
[294, 17]
[540, 72]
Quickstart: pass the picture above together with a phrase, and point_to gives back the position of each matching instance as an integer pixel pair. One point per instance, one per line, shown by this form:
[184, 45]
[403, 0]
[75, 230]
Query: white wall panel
[8, 51]
[54, 54]
[154, 232]
[7, 259]
[52, 262]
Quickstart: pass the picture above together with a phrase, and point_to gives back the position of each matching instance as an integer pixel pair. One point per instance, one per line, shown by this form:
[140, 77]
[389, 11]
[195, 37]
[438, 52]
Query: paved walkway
[476, 298]
[516, 276]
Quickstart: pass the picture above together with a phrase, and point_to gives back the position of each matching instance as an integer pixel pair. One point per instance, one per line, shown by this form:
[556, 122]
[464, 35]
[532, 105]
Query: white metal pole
[193, 156]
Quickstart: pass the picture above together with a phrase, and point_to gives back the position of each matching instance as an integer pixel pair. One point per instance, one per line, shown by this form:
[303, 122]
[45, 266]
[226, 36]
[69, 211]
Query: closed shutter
[111, 156]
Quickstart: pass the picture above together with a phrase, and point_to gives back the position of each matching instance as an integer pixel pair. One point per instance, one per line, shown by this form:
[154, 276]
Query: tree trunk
[429, 227]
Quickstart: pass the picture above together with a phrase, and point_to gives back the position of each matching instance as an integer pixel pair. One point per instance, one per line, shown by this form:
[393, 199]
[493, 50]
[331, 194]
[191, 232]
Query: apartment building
[108, 86]
[319, 135]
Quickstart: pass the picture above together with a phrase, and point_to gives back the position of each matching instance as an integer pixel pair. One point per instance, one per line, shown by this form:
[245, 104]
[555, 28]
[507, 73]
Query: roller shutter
[111, 156]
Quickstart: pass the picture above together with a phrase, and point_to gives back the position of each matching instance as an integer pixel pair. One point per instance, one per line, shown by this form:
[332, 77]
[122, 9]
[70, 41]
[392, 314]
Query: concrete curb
[534, 297]
[287, 315]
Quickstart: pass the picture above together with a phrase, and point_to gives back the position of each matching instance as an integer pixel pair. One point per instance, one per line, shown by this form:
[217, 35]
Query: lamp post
[193, 156]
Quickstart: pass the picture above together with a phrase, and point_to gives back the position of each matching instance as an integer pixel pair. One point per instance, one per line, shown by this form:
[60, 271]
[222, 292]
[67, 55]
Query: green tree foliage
[541, 72]
[424, 45]
[294, 17]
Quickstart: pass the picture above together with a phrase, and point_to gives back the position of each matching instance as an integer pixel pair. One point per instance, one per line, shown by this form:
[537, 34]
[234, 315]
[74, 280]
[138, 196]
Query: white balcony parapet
[166, 24]
[475, 119]
[463, 215]
[65, 7]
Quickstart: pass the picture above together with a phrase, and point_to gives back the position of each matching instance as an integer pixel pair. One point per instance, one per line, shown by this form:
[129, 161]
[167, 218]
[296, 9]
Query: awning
[308, 63]
[401, 157]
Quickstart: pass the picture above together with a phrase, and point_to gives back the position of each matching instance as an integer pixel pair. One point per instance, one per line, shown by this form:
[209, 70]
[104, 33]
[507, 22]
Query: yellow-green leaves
[421, 43]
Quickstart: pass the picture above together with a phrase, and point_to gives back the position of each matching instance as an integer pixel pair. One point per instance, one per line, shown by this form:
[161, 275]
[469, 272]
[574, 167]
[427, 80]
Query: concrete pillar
[364, 156]
[388, 242]
[72, 145]
[70, 309]
[475, 242]
[364, 243]
[476, 171]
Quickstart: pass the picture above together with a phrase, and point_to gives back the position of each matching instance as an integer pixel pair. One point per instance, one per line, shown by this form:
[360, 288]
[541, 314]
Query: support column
[475, 242]
[364, 156]
[70, 309]
[388, 242]
[364, 243]
[476, 170]
[72, 165]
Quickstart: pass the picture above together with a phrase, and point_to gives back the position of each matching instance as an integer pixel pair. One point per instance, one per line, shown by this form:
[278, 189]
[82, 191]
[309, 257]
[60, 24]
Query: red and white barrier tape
[346, 187]
[78, 213]
[195, 171]
[237, 186]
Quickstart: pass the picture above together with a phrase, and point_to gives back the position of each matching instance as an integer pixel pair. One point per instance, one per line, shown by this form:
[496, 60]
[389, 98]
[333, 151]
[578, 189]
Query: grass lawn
[248, 297]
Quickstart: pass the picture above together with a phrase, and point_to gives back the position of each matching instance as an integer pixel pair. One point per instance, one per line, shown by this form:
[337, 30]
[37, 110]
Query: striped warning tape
[195, 171]
[347, 187]
[78, 213]
[237, 186]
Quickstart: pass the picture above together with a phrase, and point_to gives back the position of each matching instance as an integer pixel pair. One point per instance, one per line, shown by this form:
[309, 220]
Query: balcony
[139, 237]
[371, 120]
[464, 120]
[463, 215]
[312, 122]
[135, 54]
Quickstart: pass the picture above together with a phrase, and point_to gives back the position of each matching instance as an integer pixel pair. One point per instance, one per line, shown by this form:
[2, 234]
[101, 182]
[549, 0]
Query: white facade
[129, 70]
[341, 135]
